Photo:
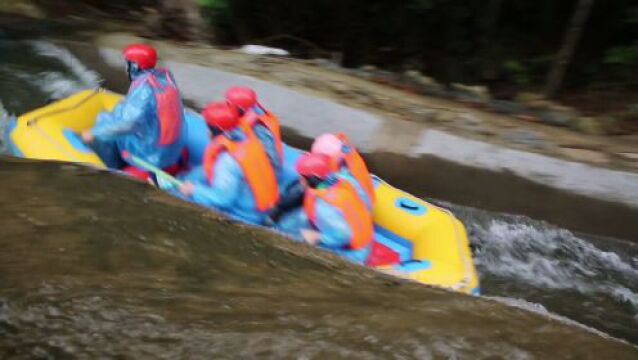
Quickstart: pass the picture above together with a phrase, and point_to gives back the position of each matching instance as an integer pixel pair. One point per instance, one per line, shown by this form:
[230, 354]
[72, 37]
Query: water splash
[87, 77]
[55, 85]
[553, 258]
[4, 121]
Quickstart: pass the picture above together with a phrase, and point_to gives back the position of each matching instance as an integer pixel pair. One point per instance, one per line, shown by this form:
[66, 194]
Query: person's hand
[310, 236]
[187, 188]
[87, 136]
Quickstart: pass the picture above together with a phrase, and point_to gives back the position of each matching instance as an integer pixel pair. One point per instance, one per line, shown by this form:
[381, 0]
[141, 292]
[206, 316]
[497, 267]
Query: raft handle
[410, 206]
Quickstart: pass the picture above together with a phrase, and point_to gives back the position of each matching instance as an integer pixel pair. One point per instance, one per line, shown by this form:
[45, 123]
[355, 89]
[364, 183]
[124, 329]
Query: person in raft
[334, 216]
[147, 123]
[236, 176]
[344, 157]
[262, 121]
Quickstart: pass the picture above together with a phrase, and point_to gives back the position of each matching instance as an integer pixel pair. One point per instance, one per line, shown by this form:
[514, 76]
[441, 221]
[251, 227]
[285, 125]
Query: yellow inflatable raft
[428, 243]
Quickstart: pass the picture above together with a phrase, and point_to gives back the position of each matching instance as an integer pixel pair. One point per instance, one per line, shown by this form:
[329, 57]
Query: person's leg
[107, 151]
[292, 223]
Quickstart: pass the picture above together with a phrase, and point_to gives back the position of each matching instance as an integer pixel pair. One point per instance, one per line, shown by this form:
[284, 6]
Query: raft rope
[34, 123]
[34, 120]
[57, 144]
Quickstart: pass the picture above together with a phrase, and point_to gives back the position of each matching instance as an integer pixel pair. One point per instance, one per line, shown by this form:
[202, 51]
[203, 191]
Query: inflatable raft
[417, 240]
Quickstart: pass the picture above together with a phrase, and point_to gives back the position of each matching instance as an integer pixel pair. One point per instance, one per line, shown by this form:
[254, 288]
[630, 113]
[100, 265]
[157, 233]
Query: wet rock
[628, 156]
[326, 64]
[22, 8]
[433, 90]
[251, 49]
[588, 125]
[369, 68]
[380, 101]
[481, 93]
[526, 137]
[528, 117]
[557, 118]
[585, 155]
[415, 75]
[528, 98]
[549, 112]
[469, 120]
[506, 107]
[385, 77]
[444, 116]
[423, 115]
[340, 88]
[368, 72]
[612, 126]
[412, 74]
[423, 84]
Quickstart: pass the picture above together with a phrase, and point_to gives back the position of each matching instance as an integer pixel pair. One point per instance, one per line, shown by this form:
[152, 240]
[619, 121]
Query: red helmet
[143, 55]
[310, 164]
[241, 96]
[221, 115]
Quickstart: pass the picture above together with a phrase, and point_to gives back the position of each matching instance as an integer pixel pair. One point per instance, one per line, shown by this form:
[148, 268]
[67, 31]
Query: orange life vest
[343, 196]
[169, 106]
[252, 159]
[270, 121]
[357, 167]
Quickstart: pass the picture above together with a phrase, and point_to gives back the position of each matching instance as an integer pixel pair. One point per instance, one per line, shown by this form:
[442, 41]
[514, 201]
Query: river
[123, 269]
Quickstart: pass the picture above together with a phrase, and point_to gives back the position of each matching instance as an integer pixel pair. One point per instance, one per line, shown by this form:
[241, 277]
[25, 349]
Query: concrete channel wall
[590, 199]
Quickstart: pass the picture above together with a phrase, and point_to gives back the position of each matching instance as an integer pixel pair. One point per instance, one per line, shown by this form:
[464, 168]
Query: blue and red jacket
[149, 122]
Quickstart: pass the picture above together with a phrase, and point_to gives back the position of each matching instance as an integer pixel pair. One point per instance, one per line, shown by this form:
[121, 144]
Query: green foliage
[520, 73]
[212, 3]
[632, 15]
[622, 55]
[506, 42]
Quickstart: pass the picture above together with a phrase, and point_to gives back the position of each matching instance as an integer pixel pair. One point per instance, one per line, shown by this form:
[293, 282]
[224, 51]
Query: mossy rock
[21, 7]
[588, 125]
[529, 97]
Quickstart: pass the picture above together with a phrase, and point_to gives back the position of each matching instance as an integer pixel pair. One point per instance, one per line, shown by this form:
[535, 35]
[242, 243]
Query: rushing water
[119, 267]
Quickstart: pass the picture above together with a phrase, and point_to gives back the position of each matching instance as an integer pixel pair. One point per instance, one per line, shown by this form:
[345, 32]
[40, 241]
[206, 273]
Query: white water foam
[87, 77]
[4, 121]
[58, 85]
[553, 258]
[55, 84]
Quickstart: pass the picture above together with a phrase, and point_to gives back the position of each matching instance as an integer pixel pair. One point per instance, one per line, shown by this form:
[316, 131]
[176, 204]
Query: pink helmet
[327, 144]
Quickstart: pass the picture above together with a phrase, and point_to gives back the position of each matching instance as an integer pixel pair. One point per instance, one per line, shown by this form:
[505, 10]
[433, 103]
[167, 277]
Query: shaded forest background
[508, 45]
[511, 46]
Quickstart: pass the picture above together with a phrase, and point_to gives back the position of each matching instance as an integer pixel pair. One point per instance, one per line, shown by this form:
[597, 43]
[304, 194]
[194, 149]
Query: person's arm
[226, 185]
[128, 114]
[291, 198]
[267, 139]
[335, 231]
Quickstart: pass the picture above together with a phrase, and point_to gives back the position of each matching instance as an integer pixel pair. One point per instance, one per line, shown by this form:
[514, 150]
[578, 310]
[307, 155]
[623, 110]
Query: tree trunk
[570, 41]
[488, 50]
